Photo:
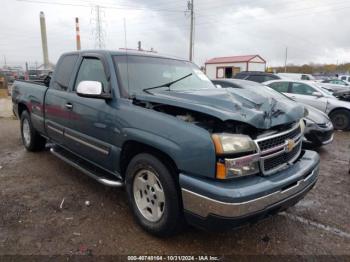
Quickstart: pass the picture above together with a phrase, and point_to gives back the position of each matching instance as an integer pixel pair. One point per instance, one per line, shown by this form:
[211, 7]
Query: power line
[101, 6]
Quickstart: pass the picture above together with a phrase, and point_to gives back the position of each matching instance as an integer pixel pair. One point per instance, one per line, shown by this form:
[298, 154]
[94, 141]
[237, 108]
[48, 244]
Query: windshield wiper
[165, 85]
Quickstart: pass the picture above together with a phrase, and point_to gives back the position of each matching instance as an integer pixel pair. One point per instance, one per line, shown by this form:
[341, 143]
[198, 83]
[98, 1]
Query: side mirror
[92, 89]
[218, 86]
[317, 94]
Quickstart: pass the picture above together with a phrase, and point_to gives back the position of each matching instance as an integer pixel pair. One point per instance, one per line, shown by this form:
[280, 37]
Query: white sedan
[312, 94]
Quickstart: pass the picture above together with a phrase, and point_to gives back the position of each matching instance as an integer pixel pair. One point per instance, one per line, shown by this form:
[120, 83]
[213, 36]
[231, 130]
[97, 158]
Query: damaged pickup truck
[185, 150]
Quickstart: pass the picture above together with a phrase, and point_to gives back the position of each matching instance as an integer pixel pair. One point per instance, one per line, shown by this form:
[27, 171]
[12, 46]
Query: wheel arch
[337, 109]
[21, 108]
[132, 148]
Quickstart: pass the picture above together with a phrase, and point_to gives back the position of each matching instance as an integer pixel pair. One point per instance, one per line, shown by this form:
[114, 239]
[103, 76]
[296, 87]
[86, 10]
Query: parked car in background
[319, 128]
[333, 87]
[255, 76]
[336, 82]
[184, 149]
[296, 76]
[312, 94]
[344, 78]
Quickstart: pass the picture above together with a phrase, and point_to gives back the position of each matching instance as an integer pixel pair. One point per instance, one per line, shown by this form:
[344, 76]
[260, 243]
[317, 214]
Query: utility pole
[190, 8]
[139, 46]
[26, 75]
[5, 64]
[285, 60]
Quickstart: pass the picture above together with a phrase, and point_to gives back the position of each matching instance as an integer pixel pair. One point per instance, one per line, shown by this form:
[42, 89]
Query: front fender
[189, 153]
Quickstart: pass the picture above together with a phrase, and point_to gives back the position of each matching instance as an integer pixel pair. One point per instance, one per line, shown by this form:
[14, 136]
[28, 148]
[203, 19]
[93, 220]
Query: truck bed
[30, 95]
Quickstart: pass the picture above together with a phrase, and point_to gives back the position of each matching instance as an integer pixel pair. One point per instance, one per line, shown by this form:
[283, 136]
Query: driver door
[93, 119]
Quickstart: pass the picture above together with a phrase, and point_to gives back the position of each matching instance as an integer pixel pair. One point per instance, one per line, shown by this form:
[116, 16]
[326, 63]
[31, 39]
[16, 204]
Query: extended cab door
[92, 132]
[301, 92]
[57, 107]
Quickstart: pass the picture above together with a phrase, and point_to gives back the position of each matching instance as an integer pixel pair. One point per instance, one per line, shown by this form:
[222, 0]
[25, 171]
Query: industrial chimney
[77, 30]
[44, 40]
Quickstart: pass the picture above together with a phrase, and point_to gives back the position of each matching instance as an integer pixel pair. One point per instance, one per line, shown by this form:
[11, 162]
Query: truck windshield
[142, 72]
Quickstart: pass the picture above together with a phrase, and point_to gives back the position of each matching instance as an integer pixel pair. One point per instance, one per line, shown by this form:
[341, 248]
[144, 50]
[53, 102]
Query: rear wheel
[153, 195]
[340, 119]
[31, 139]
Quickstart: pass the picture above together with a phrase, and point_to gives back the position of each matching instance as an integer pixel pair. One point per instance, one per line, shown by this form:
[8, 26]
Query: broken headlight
[302, 126]
[231, 144]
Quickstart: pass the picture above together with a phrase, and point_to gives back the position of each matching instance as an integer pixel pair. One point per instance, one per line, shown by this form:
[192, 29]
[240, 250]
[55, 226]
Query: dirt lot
[33, 186]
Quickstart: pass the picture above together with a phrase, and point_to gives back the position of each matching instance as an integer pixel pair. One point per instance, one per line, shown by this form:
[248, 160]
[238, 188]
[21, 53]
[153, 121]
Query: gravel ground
[34, 185]
[5, 107]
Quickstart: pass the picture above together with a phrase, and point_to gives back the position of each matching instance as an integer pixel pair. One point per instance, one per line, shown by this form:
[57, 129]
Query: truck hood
[262, 111]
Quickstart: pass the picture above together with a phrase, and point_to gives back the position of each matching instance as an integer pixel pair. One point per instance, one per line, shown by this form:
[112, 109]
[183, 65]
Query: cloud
[314, 31]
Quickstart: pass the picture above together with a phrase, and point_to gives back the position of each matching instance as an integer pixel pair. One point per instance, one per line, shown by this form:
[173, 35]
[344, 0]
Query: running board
[101, 178]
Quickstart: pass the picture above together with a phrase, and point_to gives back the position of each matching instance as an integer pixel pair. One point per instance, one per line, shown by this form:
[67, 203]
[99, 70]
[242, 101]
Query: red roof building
[228, 67]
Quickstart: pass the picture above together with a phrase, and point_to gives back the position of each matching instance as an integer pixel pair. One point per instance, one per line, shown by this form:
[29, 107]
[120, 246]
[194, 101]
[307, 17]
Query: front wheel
[31, 139]
[153, 195]
[340, 119]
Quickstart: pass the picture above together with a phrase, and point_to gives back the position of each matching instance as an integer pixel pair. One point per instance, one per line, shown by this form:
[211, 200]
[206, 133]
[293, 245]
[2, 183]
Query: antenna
[126, 48]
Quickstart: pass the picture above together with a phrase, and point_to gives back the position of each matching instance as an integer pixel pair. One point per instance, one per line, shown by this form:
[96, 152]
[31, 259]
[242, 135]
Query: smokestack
[77, 30]
[44, 40]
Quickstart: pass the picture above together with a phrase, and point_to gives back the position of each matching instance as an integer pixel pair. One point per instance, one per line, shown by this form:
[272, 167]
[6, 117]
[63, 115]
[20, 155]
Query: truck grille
[274, 162]
[278, 140]
[274, 150]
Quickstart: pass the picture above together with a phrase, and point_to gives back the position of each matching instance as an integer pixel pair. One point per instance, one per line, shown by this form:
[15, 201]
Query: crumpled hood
[262, 110]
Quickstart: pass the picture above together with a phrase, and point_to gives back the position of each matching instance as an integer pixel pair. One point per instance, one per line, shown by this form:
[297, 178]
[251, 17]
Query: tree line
[313, 69]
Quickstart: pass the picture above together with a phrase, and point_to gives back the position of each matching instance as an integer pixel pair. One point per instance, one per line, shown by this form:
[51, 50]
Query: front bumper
[248, 197]
[318, 136]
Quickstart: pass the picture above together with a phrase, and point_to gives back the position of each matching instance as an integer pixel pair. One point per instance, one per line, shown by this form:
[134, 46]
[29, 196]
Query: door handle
[69, 106]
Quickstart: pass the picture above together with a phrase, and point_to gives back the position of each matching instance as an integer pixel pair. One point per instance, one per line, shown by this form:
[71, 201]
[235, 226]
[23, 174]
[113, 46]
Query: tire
[141, 186]
[340, 119]
[31, 139]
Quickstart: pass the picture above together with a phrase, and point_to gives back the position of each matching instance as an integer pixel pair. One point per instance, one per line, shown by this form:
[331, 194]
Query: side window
[343, 78]
[91, 69]
[305, 77]
[302, 89]
[64, 72]
[281, 87]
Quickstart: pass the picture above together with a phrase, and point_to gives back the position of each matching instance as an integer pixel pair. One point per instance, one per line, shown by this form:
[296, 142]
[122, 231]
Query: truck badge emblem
[289, 145]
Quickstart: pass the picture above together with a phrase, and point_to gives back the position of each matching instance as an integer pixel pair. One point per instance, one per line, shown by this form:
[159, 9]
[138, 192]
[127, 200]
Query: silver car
[312, 94]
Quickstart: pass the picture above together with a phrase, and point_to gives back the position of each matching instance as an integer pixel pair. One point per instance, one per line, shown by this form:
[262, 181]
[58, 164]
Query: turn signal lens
[220, 171]
[217, 144]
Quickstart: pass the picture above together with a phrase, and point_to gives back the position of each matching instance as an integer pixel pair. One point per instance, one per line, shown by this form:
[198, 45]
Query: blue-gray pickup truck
[186, 151]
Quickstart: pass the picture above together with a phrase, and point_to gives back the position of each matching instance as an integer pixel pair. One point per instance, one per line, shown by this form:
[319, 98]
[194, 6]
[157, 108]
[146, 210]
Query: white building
[228, 67]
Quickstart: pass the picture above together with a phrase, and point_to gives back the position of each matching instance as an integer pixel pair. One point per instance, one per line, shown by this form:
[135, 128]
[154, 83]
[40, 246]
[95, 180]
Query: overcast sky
[315, 31]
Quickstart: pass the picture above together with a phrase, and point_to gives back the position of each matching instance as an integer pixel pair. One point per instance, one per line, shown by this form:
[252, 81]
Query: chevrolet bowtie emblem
[289, 145]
